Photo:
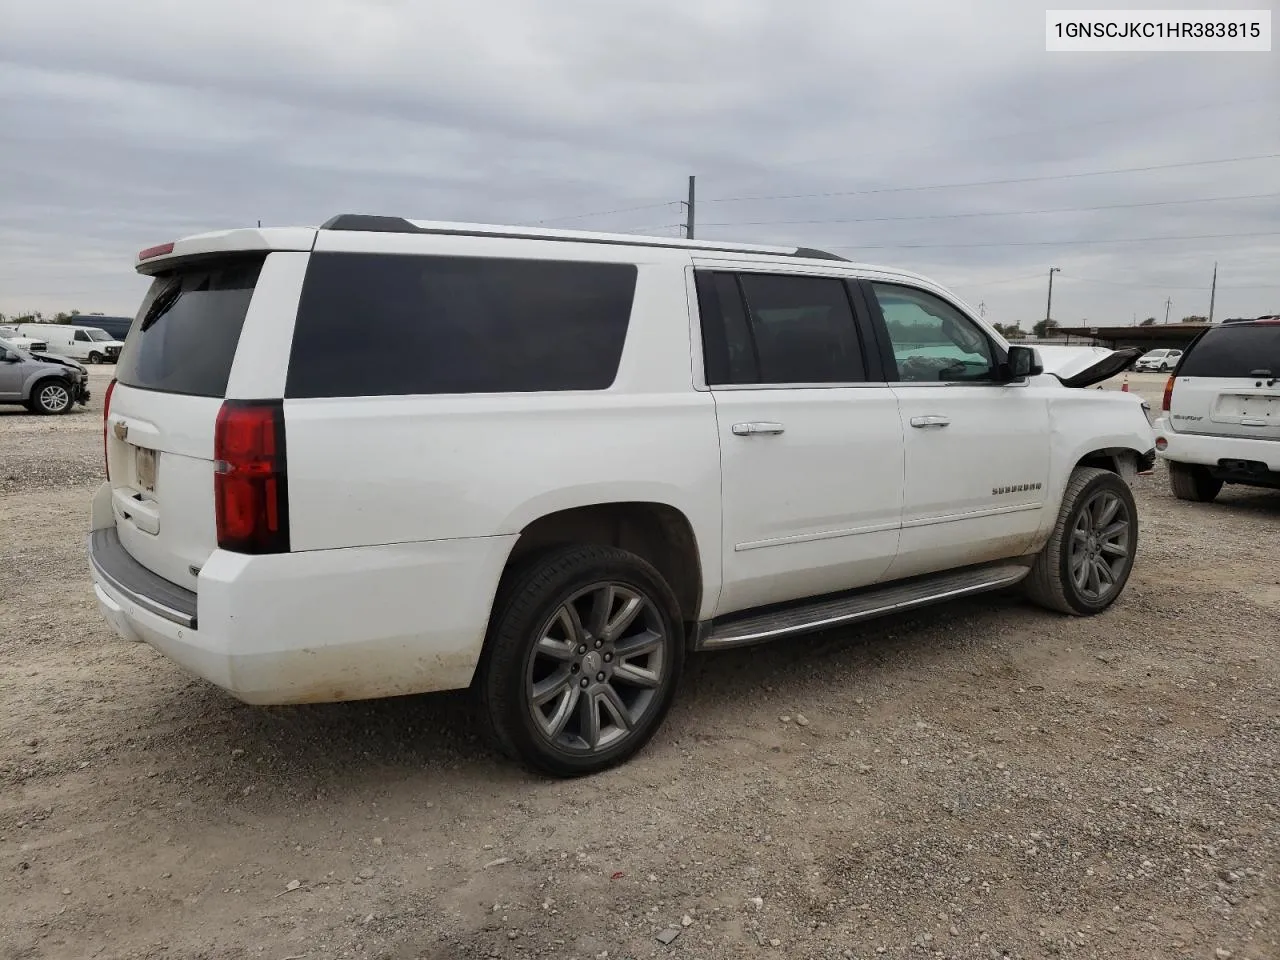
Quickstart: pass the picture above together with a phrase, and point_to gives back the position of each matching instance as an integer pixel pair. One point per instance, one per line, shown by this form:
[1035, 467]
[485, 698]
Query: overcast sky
[128, 123]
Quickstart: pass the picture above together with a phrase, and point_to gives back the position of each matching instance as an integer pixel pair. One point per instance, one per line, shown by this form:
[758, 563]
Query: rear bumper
[315, 626]
[1216, 452]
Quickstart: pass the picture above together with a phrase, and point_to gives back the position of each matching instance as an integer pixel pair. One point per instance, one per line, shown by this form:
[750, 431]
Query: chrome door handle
[930, 421]
[760, 426]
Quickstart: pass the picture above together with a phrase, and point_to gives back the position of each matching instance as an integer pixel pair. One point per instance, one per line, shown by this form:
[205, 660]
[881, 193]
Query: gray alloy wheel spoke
[601, 607]
[639, 645]
[610, 700]
[1110, 505]
[1106, 577]
[557, 649]
[569, 621]
[1091, 580]
[552, 686]
[636, 676]
[1115, 549]
[589, 720]
[631, 607]
[53, 397]
[556, 723]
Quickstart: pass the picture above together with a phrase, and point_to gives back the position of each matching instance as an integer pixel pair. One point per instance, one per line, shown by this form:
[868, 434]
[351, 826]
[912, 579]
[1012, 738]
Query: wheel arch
[657, 532]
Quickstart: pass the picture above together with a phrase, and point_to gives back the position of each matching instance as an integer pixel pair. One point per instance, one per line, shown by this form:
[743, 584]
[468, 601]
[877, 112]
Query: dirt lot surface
[978, 780]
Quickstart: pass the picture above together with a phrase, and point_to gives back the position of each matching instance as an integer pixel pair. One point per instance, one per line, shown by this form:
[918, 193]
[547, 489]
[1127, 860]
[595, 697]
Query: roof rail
[368, 223]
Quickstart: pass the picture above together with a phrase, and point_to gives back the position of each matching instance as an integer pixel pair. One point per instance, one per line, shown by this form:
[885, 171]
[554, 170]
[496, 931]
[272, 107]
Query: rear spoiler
[158, 259]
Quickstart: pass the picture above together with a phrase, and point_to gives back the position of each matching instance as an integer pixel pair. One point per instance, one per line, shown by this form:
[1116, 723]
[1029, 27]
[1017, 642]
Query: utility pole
[688, 223]
[1213, 290]
[1048, 307]
[1167, 304]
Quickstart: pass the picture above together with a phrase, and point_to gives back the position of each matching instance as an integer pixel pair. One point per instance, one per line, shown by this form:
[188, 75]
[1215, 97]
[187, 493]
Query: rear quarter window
[380, 325]
[185, 336]
[1233, 352]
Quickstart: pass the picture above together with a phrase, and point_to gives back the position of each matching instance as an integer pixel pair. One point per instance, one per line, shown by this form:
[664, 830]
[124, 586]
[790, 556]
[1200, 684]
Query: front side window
[933, 341]
[81, 336]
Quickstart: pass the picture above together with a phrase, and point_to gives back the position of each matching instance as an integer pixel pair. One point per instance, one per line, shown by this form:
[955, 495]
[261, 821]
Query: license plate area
[1248, 407]
[144, 469]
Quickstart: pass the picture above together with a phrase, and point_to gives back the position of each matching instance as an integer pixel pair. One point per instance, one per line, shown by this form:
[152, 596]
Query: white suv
[554, 463]
[1221, 411]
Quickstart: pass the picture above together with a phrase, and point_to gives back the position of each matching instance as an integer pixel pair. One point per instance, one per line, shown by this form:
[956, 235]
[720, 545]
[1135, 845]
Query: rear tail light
[250, 486]
[1168, 395]
[106, 411]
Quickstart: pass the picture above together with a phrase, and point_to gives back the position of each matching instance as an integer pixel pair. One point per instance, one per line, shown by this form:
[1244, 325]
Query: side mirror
[1023, 362]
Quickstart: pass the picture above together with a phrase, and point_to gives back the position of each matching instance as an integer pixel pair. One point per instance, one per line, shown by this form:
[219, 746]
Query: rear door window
[1235, 351]
[187, 330]
[380, 325]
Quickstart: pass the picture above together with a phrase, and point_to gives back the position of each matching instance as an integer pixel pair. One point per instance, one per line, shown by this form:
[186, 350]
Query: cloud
[130, 123]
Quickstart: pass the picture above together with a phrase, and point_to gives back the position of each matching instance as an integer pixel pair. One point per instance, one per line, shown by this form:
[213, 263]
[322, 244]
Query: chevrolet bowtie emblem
[120, 429]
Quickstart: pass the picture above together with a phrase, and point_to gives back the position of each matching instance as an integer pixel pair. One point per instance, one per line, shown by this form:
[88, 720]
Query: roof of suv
[365, 223]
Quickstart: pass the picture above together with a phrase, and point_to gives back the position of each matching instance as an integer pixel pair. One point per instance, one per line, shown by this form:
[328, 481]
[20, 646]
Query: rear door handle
[931, 421]
[759, 426]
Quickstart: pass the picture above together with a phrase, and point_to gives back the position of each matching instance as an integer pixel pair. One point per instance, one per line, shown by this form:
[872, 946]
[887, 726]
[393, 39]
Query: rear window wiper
[161, 305]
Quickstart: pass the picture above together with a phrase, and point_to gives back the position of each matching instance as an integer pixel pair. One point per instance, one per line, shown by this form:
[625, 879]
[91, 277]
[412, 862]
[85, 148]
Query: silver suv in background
[1221, 411]
[43, 384]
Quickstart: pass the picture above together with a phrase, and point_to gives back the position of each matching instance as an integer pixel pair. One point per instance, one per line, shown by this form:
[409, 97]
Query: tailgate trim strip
[113, 564]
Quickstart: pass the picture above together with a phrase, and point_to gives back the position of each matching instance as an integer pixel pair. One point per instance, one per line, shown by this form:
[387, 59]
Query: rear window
[1235, 351]
[186, 332]
[379, 325]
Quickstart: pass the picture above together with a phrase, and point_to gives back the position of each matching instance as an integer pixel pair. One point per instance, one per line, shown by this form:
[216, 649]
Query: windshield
[1153, 354]
[98, 336]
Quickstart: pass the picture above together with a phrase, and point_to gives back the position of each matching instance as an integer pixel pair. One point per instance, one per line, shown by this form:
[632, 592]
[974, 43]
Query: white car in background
[1220, 421]
[1158, 360]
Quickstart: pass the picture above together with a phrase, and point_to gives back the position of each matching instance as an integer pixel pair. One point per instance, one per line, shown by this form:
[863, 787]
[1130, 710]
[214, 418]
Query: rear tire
[51, 397]
[1084, 567]
[583, 657]
[95, 357]
[1192, 481]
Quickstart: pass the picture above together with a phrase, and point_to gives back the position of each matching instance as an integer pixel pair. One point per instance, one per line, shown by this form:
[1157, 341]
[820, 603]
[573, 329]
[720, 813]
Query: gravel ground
[980, 780]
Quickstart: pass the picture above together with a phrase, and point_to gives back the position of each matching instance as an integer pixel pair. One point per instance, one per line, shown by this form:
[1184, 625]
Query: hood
[60, 361]
[1085, 366]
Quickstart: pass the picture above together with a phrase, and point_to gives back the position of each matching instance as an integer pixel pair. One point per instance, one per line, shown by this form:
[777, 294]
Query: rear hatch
[170, 384]
[1228, 383]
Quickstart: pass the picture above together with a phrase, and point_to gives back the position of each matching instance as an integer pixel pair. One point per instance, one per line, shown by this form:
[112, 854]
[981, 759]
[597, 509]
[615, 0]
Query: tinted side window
[729, 353]
[81, 335]
[380, 325]
[188, 329]
[802, 329]
[932, 341]
[1234, 351]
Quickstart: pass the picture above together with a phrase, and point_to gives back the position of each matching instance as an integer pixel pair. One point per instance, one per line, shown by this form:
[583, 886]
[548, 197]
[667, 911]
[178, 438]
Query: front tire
[1192, 481]
[95, 357]
[1087, 561]
[51, 397]
[584, 653]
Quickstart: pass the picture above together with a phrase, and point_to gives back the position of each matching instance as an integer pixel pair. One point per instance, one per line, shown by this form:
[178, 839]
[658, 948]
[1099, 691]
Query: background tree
[1150, 321]
[1044, 327]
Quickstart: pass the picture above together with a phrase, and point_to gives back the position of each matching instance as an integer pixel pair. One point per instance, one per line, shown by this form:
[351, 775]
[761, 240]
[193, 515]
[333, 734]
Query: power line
[602, 213]
[996, 213]
[1054, 128]
[992, 183]
[1169, 286]
[1054, 243]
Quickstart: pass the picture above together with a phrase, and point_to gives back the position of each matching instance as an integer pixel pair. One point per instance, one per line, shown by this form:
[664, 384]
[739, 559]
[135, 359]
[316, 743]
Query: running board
[827, 612]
